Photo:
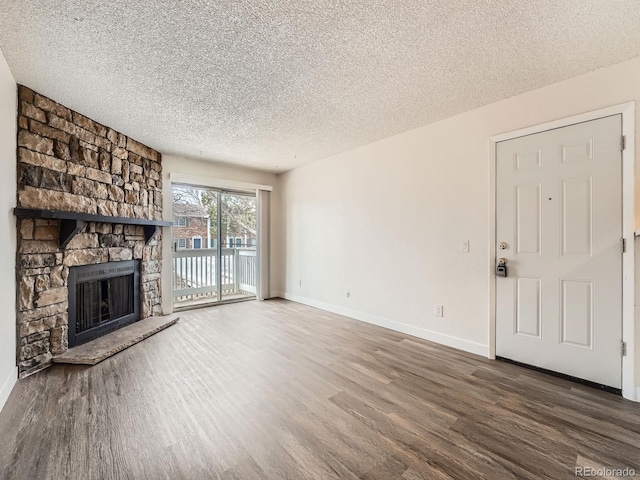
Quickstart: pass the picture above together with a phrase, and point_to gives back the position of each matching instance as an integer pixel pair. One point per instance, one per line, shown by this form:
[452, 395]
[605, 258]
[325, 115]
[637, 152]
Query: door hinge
[623, 245]
[623, 348]
[623, 142]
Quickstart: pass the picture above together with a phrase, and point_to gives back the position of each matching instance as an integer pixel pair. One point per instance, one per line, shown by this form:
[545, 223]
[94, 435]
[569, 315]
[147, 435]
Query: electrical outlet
[439, 311]
[300, 282]
[348, 293]
[464, 246]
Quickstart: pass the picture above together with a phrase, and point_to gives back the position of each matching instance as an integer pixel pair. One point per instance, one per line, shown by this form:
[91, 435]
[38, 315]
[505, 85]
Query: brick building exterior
[190, 226]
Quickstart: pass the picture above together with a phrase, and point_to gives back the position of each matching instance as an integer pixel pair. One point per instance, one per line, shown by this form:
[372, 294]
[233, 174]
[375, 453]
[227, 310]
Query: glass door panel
[194, 252]
[238, 235]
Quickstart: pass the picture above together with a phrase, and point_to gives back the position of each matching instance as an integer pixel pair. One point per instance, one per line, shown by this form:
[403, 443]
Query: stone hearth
[68, 162]
[104, 347]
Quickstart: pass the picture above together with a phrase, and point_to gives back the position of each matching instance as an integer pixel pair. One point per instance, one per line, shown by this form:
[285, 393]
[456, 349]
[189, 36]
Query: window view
[180, 221]
[204, 219]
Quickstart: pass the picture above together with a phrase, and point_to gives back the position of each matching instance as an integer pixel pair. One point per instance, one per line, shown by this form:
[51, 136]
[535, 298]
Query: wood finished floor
[280, 390]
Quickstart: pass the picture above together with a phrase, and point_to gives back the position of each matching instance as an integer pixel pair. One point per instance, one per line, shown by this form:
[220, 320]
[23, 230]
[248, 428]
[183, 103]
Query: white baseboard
[7, 386]
[448, 340]
[632, 393]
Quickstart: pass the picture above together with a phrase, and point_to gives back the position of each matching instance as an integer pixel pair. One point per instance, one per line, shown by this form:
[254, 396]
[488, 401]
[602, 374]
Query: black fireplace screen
[102, 298]
[100, 301]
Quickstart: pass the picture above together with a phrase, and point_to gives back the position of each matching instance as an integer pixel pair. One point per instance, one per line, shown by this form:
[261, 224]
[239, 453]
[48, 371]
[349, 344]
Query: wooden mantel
[72, 222]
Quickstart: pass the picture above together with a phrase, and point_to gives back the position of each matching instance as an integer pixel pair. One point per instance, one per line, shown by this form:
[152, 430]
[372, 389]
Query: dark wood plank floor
[280, 390]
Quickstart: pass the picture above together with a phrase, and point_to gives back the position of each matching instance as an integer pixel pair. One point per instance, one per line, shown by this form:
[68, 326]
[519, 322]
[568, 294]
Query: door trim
[627, 110]
[217, 183]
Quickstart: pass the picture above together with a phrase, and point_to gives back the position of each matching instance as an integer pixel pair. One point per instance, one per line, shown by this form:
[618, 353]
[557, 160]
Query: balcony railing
[195, 274]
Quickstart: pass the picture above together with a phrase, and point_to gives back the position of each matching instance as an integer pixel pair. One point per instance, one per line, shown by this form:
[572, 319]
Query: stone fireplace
[69, 164]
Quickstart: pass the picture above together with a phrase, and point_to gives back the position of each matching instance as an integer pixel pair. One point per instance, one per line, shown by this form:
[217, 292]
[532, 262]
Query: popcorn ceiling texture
[264, 83]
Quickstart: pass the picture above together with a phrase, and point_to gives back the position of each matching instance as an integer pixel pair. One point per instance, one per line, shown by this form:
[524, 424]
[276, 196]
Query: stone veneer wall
[68, 162]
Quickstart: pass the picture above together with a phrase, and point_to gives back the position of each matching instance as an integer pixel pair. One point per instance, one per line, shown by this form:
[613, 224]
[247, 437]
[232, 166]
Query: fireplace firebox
[102, 298]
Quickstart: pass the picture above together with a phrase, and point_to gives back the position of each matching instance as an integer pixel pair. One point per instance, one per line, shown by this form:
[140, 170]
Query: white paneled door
[559, 230]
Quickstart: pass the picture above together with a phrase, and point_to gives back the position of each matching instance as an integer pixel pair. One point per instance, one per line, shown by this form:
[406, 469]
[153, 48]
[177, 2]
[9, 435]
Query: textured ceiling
[267, 83]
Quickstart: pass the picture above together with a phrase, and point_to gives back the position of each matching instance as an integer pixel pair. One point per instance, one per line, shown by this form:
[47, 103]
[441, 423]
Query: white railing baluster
[195, 276]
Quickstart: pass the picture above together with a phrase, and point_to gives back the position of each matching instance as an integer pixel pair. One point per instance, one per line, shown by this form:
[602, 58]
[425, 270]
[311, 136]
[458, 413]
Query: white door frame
[628, 228]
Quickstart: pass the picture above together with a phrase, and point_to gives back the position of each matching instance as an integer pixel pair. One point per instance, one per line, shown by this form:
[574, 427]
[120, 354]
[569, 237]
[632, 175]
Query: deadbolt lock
[501, 268]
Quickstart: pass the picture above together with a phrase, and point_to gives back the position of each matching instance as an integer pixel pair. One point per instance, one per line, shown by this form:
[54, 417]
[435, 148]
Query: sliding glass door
[214, 246]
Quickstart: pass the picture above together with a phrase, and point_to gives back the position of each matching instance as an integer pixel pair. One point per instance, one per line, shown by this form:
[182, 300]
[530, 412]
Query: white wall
[384, 221]
[204, 169]
[8, 127]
